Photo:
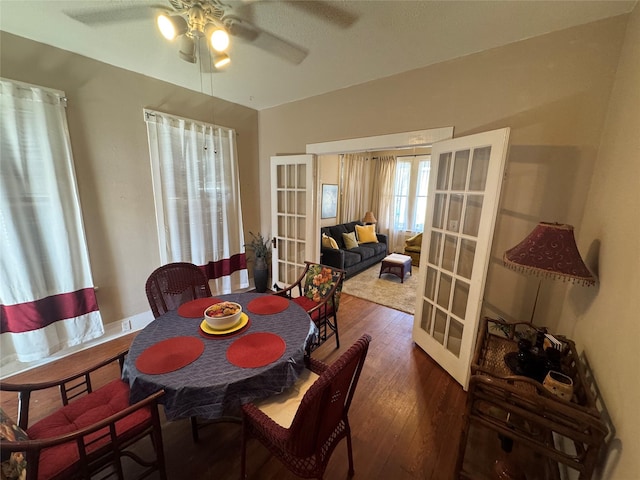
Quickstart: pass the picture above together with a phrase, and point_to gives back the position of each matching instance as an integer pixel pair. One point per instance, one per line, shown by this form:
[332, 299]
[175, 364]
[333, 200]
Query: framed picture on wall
[329, 201]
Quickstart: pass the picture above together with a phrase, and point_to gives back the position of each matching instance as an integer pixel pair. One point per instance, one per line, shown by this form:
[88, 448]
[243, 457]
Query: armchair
[318, 291]
[412, 248]
[90, 433]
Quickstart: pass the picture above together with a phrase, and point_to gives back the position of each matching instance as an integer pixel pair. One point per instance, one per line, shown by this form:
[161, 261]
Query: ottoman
[396, 264]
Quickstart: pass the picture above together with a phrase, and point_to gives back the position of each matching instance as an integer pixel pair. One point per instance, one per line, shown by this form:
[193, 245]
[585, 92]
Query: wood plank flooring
[406, 415]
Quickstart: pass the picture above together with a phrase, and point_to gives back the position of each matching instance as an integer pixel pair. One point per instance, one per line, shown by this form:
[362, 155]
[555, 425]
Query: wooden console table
[519, 409]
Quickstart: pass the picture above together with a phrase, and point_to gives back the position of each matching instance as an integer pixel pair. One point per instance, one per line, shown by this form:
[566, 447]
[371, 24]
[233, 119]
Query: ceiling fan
[193, 21]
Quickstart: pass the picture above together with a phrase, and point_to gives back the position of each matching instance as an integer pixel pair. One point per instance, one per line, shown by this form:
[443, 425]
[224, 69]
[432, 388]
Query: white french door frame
[293, 216]
[449, 300]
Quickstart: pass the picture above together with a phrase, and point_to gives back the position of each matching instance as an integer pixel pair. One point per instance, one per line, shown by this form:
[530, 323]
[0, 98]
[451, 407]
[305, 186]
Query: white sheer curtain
[47, 297]
[197, 195]
[356, 186]
[383, 196]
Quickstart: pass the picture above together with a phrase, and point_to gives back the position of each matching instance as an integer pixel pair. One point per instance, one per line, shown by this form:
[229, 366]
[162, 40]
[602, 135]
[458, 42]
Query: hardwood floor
[406, 415]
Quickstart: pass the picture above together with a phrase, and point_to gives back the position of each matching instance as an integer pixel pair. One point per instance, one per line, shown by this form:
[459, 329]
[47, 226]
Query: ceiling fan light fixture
[187, 50]
[219, 39]
[221, 60]
[171, 26]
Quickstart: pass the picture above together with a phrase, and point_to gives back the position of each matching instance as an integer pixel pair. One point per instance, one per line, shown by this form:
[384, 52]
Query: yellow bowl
[223, 315]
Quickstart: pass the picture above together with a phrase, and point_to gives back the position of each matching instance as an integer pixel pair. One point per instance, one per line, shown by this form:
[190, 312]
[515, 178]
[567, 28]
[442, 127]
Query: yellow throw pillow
[366, 233]
[329, 242]
[350, 240]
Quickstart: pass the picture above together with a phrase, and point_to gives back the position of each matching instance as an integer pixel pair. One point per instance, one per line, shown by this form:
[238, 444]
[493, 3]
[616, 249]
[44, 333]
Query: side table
[523, 413]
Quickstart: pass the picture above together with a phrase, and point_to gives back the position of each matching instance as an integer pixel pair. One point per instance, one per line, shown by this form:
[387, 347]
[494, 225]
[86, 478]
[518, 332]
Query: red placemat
[268, 305]
[195, 308]
[256, 350]
[169, 355]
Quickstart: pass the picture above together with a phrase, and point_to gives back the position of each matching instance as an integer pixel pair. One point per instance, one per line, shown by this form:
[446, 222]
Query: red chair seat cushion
[308, 304]
[80, 413]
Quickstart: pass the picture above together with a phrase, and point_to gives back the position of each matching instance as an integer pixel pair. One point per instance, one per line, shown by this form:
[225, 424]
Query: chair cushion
[350, 240]
[80, 413]
[15, 465]
[282, 407]
[308, 304]
[415, 248]
[366, 233]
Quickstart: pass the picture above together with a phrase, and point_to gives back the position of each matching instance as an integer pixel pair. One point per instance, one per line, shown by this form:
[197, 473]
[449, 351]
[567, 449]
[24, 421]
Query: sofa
[356, 259]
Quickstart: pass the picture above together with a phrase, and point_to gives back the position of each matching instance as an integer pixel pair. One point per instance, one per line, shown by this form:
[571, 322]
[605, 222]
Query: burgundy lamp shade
[550, 251]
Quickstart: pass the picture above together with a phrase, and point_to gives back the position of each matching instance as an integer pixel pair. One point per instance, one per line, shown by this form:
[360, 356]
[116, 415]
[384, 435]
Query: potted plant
[260, 247]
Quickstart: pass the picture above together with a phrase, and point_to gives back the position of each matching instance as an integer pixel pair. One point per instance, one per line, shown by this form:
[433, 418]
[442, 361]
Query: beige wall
[605, 321]
[553, 92]
[109, 142]
[328, 172]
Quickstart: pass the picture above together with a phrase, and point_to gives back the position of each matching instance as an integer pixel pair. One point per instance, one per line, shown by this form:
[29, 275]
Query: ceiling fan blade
[128, 13]
[326, 11]
[264, 40]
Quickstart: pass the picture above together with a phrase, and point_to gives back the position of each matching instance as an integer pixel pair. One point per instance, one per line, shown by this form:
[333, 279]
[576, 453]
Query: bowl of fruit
[223, 315]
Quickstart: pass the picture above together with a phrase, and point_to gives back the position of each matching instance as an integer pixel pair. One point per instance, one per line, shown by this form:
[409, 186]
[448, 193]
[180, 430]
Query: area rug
[386, 290]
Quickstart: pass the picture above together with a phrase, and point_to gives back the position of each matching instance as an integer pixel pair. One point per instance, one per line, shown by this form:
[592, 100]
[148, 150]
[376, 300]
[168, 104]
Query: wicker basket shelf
[521, 411]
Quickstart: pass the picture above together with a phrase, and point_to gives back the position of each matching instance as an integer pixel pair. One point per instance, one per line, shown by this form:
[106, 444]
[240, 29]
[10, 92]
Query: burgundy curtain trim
[28, 316]
[225, 267]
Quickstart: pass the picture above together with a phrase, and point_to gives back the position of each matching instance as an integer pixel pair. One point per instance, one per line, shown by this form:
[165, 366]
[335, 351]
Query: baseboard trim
[112, 331]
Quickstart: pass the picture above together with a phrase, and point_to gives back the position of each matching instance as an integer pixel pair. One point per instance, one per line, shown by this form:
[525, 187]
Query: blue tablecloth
[211, 387]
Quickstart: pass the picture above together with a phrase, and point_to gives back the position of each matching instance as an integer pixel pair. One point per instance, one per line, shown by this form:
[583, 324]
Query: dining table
[209, 373]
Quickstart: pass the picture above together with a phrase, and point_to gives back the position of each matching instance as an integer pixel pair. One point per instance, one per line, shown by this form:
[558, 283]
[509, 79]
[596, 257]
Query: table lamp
[549, 251]
[369, 218]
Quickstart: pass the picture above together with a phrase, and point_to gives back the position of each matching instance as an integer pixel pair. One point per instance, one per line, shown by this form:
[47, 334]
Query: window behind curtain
[197, 196]
[47, 297]
[410, 193]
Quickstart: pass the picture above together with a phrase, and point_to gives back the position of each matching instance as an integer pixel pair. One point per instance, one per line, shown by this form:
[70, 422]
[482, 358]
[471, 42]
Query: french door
[293, 223]
[464, 192]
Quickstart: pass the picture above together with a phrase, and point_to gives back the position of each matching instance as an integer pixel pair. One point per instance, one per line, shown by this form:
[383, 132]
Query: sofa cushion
[378, 248]
[350, 241]
[365, 251]
[366, 233]
[351, 258]
[336, 232]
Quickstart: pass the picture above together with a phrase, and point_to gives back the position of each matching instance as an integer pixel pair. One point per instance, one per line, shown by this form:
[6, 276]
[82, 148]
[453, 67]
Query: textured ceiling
[386, 38]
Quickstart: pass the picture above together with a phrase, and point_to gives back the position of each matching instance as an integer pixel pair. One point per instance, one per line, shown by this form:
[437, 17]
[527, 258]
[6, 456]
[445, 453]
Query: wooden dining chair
[318, 291]
[171, 285]
[90, 433]
[303, 425]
